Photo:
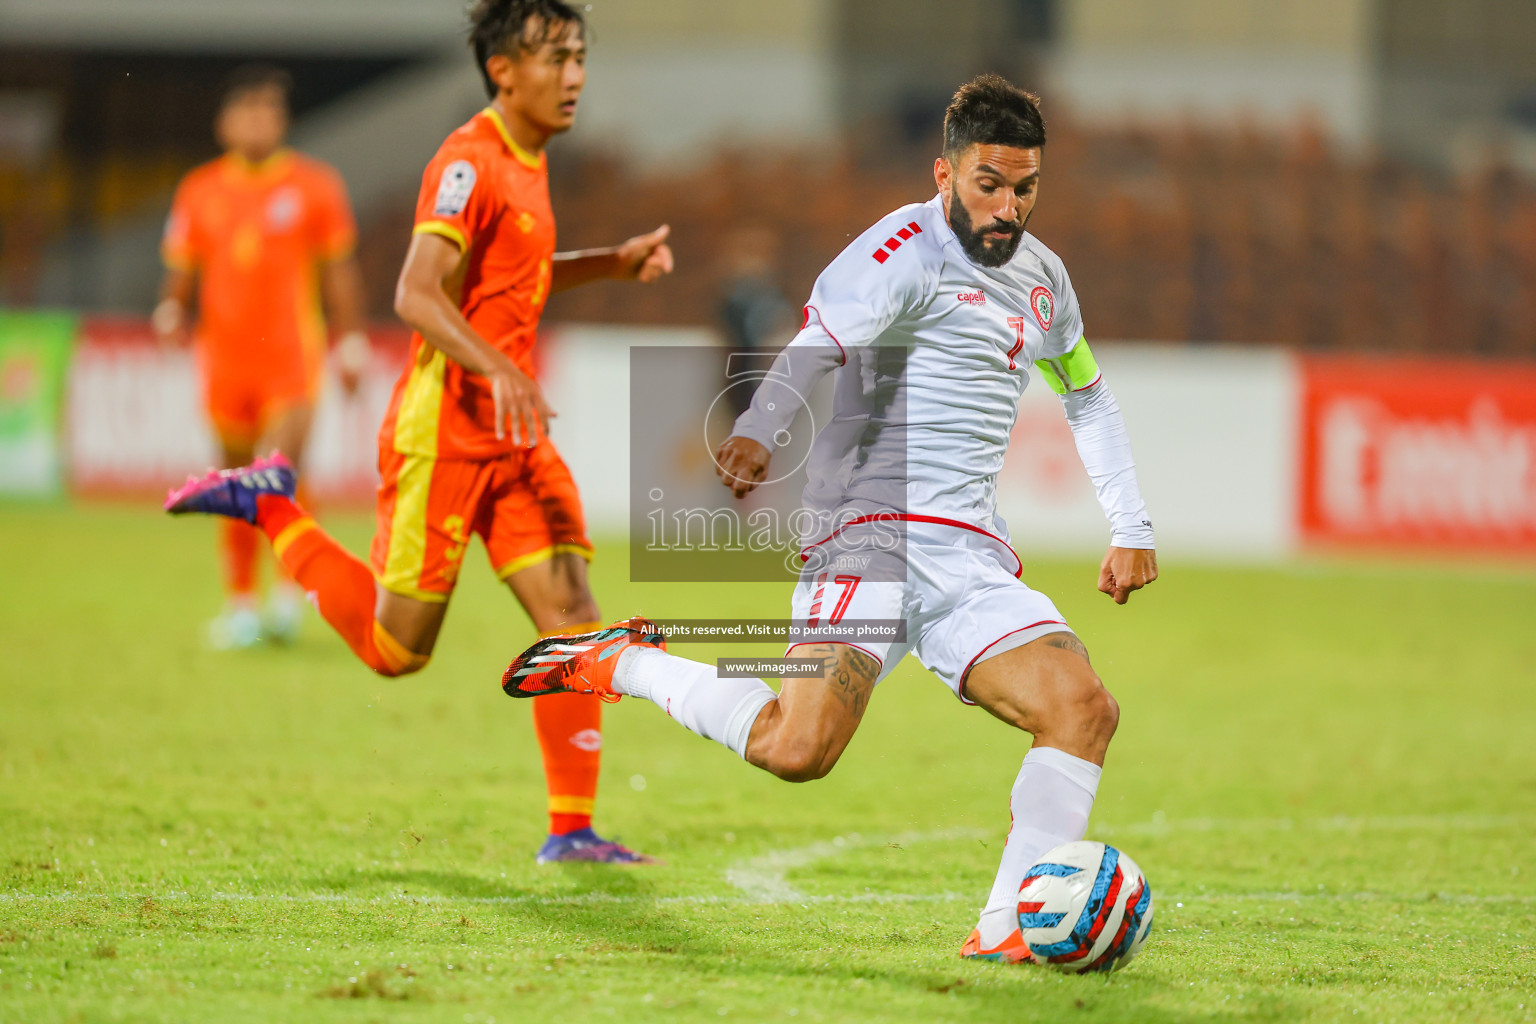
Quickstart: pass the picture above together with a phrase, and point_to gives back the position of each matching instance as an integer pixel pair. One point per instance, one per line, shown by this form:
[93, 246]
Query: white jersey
[932, 355]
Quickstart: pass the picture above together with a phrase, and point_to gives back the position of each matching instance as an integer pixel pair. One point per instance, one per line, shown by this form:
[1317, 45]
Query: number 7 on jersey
[1017, 323]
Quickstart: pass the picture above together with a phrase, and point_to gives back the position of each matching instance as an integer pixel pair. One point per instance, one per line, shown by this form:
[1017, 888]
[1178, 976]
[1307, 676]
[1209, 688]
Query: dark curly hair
[511, 27]
[993, 111]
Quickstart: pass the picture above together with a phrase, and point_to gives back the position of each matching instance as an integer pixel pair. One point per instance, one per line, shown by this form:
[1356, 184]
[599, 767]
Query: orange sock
[570, 735]
[341, 585]
[237, 543]
[305, 500]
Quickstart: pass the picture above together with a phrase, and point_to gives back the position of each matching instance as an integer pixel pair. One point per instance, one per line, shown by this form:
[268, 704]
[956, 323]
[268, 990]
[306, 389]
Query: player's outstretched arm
[422, 302]
[644, 258]
[1098, 429]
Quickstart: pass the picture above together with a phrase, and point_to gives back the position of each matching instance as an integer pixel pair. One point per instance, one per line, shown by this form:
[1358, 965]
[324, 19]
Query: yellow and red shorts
[524, 506]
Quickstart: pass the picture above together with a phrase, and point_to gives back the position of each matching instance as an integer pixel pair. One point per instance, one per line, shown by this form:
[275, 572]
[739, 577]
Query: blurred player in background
[263, 234]
[464, 449]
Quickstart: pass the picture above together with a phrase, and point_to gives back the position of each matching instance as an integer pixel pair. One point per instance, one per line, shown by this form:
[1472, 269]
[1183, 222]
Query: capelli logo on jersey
[976, 298]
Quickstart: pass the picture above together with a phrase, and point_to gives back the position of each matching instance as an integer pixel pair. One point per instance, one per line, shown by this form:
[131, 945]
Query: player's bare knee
[1109, 714]
[799, 759]
[1091, 710]
[1095, 712]
[803, 768]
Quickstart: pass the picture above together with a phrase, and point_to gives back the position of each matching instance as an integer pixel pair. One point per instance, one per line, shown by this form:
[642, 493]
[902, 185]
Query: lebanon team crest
[1043, 306]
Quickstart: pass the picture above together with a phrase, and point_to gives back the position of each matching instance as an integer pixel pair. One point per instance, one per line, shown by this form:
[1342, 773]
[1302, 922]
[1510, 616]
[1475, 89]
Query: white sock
[1050, 803]
[718, 709]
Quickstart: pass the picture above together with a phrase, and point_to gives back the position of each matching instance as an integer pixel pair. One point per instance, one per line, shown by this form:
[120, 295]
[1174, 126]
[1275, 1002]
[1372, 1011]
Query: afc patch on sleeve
[453, 190]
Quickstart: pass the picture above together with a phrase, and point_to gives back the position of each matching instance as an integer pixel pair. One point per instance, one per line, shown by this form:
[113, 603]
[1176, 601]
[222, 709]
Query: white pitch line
[1159, 825]
[398, 899]
[761, 878]
[1343, 897]
[804, 900]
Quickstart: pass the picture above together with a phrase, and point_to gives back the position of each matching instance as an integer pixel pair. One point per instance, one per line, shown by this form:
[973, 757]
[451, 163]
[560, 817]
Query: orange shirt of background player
[489, 197]
[255, 234]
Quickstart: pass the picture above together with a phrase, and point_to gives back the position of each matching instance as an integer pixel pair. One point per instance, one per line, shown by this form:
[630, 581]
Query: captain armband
[1072, 372]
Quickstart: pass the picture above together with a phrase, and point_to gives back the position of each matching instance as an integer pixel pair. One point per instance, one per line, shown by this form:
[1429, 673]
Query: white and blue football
[1084, 906]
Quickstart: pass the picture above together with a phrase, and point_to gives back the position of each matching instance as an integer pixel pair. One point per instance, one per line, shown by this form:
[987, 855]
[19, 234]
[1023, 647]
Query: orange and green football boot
[1011, 950]
[578, 662]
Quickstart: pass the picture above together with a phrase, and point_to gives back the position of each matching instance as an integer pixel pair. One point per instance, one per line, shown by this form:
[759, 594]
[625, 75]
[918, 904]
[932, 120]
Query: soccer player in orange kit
[262, 234]
[463, 448]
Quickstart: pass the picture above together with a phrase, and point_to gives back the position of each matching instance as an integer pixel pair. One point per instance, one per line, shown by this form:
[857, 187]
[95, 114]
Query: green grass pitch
[1328, 772]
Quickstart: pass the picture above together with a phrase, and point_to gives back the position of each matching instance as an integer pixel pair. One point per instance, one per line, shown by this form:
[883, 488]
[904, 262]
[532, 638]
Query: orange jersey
[490, 197]
[256, 235]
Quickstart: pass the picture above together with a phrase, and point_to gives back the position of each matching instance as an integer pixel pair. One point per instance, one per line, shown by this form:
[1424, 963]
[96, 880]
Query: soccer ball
[1084, 907]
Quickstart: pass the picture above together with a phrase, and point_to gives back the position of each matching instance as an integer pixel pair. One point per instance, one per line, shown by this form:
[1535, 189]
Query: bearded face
[989, 246]
[989, 193]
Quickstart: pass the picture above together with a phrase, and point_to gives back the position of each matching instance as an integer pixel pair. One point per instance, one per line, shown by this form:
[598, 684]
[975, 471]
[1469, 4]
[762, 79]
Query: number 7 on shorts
[849, 585]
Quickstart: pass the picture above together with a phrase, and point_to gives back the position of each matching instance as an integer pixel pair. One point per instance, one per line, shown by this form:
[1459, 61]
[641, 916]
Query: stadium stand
[1186, 235]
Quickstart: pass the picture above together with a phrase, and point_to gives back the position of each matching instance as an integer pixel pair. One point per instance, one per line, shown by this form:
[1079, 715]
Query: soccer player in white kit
[930, 322]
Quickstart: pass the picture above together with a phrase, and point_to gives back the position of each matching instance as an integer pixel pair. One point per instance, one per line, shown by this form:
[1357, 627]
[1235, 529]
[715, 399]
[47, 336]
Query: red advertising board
[1418, 452]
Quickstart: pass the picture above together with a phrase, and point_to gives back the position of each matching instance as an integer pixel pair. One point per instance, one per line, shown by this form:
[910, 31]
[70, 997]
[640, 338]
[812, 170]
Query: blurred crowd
[1236, 236]
[1178, 234]
[1188, 234]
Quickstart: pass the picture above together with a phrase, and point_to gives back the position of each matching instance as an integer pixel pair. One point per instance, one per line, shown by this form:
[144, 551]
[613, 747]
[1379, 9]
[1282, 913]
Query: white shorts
[962, 602]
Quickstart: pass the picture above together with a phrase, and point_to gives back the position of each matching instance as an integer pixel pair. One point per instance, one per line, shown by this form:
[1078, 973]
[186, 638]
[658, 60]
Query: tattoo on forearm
[1068, 642]
[850, 672]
